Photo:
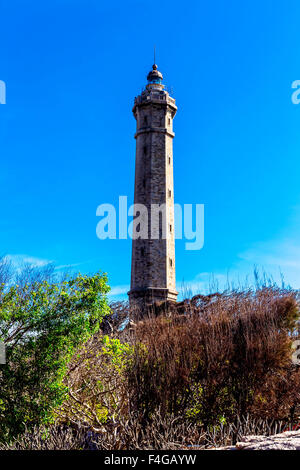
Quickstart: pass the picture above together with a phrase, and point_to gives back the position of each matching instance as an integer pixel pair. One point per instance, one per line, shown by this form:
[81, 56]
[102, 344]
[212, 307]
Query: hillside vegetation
[82, 374]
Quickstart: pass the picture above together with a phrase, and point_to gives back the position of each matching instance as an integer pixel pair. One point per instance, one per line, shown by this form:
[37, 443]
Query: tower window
[160, 225]
[146, 120]
[142, 251]
[144, 182]
[145, 150]
[169, 121]
[169, 160]
[170, 262]
[170, 193]
[170, 228]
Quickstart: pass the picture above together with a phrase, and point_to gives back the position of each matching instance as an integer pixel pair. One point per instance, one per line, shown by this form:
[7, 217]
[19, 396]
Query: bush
[96, 383]
[201, 372]
[219, 359]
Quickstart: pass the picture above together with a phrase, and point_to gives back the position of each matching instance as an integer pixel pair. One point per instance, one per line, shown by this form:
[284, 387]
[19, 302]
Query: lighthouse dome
[154, 76]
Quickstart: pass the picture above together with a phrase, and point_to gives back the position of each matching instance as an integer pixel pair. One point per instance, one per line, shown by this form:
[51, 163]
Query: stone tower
[153, 256]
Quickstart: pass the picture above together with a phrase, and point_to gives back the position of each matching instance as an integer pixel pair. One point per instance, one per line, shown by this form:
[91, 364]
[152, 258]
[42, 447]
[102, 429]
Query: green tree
[42, 323]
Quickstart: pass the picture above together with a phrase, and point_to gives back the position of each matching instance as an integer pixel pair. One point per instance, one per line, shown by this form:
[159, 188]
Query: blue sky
[72, 69]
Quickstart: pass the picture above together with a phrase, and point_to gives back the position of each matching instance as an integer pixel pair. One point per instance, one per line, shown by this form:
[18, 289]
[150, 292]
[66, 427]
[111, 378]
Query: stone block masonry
[153, 258]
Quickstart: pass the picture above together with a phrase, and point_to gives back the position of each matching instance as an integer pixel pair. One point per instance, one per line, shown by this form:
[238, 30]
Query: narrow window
[171, 262]
[160, 226]
[142, 251]
[145, 150]
[146, 120]
[170, 193]
[169, 121]
[170, 228]
[144, 182]
[169, 160]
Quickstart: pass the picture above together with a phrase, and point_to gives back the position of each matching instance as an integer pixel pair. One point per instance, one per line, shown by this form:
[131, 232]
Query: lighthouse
[153, 252]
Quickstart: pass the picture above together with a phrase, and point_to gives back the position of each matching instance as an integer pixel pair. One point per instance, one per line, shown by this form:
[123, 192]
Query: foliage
[201, 372]
[224, 356]
[96, 383]
[42, 322]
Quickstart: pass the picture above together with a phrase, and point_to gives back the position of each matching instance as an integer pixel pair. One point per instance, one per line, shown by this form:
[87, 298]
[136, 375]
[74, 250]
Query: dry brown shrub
[217, 357]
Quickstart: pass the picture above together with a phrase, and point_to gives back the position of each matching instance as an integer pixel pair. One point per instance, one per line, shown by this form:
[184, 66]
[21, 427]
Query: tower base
[150, 295]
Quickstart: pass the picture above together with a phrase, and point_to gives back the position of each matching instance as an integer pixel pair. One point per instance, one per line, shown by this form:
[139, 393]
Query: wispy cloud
[119, 290]
[65, 266]
[278, 257]
[203, 283]
[20, 260]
